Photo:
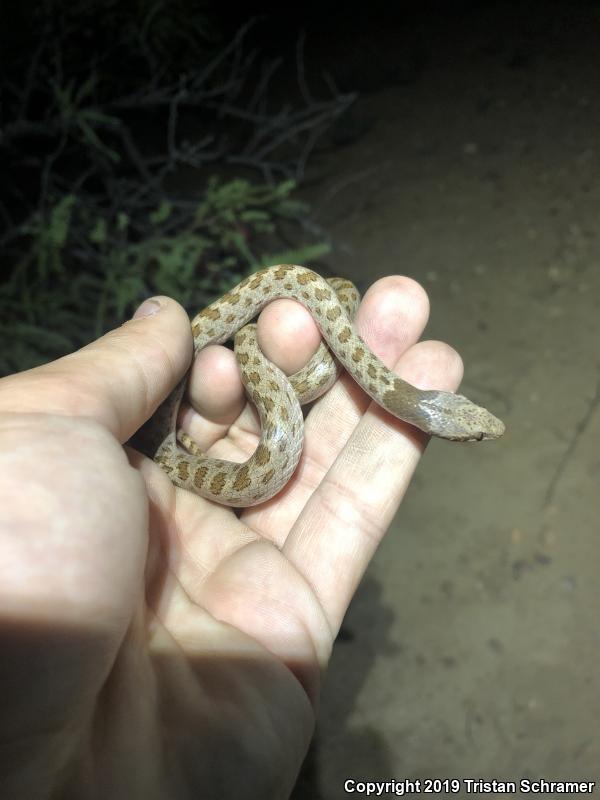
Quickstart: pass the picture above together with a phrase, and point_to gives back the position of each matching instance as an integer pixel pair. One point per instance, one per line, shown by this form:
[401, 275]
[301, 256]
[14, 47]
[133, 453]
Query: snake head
[455, 417]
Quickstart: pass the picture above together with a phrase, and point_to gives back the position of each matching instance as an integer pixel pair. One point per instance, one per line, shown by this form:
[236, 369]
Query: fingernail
[148, 308]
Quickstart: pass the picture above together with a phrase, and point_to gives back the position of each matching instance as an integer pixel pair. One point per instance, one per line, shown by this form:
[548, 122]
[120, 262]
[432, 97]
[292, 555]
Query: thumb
[118, 380]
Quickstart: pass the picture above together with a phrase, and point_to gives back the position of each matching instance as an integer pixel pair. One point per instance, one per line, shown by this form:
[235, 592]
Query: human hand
[156, 645]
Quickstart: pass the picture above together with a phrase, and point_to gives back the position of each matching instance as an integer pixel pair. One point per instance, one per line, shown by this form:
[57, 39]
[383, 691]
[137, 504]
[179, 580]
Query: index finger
[118, 380]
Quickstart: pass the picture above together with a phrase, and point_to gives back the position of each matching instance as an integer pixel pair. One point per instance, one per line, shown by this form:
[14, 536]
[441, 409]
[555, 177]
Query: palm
[215, 612]
[242, 601]
[234, 617]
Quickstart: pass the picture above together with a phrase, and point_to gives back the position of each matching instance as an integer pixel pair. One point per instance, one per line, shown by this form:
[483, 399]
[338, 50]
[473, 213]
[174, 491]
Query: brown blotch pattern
[242, 479]
[218, 483]
[358, 354]
[307, 277]
[200, 476]
[183, 470]
[268, 476]
[163, 461]
[334, 313]
[391, 396]
[345, 335]
[210, 313]
[282, 271]
[302, 387]
[262, 455]
[185, 440]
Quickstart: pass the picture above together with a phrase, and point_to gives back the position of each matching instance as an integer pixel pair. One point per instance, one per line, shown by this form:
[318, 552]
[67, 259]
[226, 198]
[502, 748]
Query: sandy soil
[472, 646]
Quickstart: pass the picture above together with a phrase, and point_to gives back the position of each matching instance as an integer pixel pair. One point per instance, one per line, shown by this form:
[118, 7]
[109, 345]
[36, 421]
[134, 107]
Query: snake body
[444, 414]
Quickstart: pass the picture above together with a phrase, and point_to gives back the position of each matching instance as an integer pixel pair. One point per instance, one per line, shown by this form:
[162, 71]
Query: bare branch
[301, 75]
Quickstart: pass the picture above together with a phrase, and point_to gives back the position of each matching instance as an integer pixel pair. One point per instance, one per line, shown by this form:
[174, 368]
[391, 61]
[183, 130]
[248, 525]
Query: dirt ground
[472, 647]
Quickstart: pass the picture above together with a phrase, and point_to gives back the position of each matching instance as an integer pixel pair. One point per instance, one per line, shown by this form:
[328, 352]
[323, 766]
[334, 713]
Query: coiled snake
[278, 398]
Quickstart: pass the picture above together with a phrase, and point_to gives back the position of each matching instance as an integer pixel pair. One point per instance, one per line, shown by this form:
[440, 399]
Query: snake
[278, 398]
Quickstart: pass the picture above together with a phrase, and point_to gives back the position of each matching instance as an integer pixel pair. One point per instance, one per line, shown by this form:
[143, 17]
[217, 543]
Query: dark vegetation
[143, 150]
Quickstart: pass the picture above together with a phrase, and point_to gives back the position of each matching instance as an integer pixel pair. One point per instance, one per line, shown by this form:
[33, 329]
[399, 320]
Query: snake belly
[443, 414]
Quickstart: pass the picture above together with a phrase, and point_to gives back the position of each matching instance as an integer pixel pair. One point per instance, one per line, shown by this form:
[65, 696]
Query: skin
[156, 645]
